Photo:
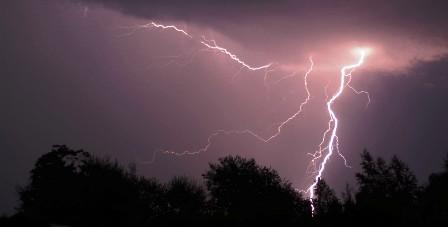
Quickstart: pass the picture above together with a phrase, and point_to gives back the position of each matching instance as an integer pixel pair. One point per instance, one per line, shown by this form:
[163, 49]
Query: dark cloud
[417, 18]
[288, 30]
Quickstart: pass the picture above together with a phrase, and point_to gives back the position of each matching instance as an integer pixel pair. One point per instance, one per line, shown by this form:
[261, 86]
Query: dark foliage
[434, 207]
[244, 193]
[74, 188]
[186, 201]
[54, 191]
[328, 208]
[388, 192]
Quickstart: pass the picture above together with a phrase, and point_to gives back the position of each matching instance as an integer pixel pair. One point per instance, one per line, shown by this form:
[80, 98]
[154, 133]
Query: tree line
[75, 188]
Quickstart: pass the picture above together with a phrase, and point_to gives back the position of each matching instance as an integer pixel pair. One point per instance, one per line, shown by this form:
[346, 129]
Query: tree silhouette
[349, 212]
[151, 204]
[55, 182]
[387, 193]
[75, 188]
[247, 194]
[185, 197]
[109, 196]
[435, 199]
[186, 201]
[328, 209]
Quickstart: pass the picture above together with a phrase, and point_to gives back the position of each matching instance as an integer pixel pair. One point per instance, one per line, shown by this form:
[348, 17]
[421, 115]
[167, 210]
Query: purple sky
[72, 73]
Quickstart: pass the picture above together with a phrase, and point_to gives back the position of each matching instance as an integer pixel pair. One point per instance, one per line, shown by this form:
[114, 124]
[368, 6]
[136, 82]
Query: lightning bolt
[329, 136]
[358, 92]
[209, 44]
[333, 124]
[305, 101]
[161, 26]
[278, 131]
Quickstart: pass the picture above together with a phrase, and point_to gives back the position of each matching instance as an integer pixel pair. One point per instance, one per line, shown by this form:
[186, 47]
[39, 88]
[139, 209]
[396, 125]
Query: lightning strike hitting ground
[332, 127]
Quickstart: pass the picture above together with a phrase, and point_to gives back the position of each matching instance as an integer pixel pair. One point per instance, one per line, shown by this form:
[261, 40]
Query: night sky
[78, 72]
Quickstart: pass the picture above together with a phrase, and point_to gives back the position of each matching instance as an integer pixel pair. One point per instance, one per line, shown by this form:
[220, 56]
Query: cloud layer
[401, 30]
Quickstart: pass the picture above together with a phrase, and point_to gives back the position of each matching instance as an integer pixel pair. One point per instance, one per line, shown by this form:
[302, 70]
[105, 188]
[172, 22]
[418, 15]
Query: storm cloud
[409, 29]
